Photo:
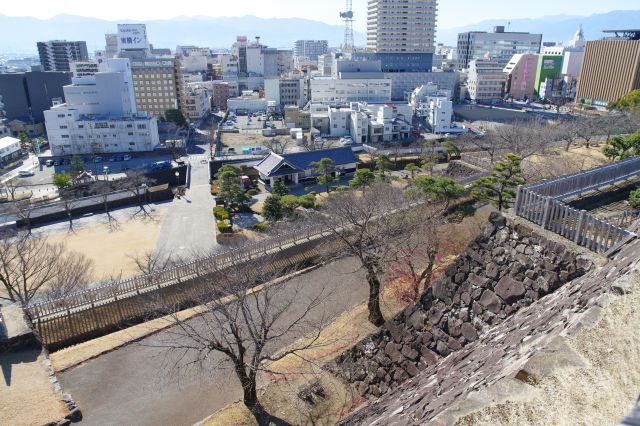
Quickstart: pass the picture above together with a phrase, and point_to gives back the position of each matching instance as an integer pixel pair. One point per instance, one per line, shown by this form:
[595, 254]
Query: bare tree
[369, 227]
[318, 143]
[69, 200]
[414, 261]
[568, 131]
[11, 188]
[154, 261]
[105, 188]
[278, 144]
[137, 183]
[523, 138]
[247, 328]
[31, 268]
[23, 211]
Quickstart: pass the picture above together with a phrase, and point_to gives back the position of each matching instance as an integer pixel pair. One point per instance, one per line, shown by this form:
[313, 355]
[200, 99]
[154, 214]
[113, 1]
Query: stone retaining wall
[508, 267]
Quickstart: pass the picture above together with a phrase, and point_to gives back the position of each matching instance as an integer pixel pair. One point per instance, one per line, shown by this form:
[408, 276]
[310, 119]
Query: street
[135, 385]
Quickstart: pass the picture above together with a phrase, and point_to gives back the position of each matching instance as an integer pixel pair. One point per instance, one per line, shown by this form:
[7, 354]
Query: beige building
[610, 69]
[486, 80]
[294, 117]
[521, 76]
[220, 94]
[155, 84]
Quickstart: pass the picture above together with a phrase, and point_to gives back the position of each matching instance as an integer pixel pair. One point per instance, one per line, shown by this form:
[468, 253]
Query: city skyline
[448, 13]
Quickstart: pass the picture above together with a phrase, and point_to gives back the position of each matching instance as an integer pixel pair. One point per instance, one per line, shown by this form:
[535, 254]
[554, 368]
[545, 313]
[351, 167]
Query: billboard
[549, 66]
[132, 36]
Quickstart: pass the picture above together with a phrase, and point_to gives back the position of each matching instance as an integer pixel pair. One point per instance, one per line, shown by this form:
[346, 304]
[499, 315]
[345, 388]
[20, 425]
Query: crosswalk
[199, 157]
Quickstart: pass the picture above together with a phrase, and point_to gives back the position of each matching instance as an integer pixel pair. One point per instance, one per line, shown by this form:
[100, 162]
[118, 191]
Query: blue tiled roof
[301, 161]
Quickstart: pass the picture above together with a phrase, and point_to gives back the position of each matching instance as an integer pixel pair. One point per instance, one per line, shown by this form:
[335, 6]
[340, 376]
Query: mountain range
[20, 34]
[559, 28]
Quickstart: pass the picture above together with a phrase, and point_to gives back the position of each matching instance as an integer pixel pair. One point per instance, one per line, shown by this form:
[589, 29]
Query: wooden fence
[150, 282]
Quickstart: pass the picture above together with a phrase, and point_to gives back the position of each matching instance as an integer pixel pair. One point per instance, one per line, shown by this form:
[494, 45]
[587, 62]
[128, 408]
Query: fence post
[577, 238]
[518, 199]
[547, 211]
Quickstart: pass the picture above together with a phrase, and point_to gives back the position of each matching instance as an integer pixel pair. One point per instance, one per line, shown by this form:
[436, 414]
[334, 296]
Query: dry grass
[601, 393]
[28, 398]
[111, 247]
[243, 140]
[560, 162]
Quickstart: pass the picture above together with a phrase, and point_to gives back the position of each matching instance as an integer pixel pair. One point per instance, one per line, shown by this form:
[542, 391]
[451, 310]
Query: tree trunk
[375, 314]
[249, 389]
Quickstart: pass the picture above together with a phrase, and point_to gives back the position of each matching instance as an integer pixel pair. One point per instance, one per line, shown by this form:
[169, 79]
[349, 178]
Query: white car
[25, 173]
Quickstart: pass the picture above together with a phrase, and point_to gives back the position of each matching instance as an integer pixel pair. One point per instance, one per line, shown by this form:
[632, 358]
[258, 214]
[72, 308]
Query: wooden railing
[543, 205]
[141, 284]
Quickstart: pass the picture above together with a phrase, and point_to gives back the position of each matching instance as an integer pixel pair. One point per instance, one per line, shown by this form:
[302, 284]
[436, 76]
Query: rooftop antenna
[347, 17]
[258, 40]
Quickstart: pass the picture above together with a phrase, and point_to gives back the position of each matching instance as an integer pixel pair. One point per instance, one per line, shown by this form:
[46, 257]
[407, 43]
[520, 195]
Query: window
[130, 133]
[65, 136]
[142, 126]
[60, 115]
[63, 127]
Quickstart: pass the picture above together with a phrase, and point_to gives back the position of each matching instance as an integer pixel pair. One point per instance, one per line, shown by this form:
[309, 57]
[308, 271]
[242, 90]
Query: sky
[452, 13]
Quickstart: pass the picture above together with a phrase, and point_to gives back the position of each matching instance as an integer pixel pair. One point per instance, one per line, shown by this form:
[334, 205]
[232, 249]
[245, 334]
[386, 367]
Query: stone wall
[506, 268]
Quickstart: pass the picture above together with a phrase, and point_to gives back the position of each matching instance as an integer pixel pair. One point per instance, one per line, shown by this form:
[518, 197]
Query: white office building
[364, 122]
[84, 68]
[100, 115]
[197, 101]
[9, 149]
[286, 91]
[362, 88]
[436, 107]
[401, 26]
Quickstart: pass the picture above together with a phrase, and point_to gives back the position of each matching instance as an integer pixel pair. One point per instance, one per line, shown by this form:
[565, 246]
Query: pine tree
[499, 187]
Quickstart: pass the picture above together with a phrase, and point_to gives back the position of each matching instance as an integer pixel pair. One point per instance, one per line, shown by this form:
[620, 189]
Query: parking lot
[116, 163]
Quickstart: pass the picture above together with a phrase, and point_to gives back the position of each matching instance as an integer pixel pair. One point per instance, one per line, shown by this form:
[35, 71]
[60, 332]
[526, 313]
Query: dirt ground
[26, 394]
[242, 140]
[602, 392]
[111, 246]
[560, 162]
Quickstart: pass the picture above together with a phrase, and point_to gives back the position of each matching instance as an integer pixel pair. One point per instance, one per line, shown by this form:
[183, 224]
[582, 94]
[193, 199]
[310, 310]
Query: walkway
[137, 382]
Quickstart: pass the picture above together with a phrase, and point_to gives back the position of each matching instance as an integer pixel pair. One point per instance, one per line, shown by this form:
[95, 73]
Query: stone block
[428, 356]
[509, 289]
[490, 301]
[469, 332]
[394, 354]
[410, 353]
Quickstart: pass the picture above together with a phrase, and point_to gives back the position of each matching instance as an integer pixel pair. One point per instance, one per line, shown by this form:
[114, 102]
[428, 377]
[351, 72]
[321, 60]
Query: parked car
[56, 163]
[97, 160]
[25, 173]
[126, 157]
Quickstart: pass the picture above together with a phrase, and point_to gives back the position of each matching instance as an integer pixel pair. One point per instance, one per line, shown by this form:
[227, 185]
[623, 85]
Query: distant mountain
[20, 34]
[560, 28]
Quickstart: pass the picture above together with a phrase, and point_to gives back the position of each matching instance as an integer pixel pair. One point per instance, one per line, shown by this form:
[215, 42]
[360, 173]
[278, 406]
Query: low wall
[508, 267]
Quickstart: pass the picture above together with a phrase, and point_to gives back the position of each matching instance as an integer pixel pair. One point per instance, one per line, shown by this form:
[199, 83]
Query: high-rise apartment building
[500, 45]
[57, 55]
[399, 26]
[611, 68]
[310, 48]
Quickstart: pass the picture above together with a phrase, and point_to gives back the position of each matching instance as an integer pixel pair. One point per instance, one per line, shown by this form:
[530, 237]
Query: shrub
[221, 213]
[308, 201]
[634, 199]
[289, 203]
[260, 227]
[343, 188]
[225, 228]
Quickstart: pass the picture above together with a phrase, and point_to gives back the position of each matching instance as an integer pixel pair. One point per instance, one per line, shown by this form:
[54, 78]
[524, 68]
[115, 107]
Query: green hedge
[260, 226]
[225, 228]
[221, 213]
